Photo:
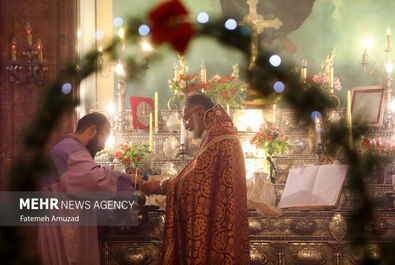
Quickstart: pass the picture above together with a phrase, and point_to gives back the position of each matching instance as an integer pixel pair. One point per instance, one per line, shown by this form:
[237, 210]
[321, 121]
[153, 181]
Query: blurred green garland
[25, 173]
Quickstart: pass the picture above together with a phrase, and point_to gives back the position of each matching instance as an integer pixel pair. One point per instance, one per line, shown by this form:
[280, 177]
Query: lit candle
[318, 129]
[349, 117]
[121, 34]
[13, 50]
[156, 112]
[176, 72]
[39, 50]
[151, 145]
[331, 79]
[110, 110]
[388, 69]
[274, 113]
[303, 71]
[182, 133]
[388, 42]
[29, 34]
[203, 72]
[228, 109]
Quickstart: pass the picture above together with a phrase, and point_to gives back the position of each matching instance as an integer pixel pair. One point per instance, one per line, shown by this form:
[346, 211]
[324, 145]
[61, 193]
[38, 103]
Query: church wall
[54, 22]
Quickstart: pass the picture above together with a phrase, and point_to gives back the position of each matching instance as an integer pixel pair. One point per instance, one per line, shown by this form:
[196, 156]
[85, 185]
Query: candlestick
[318, 130]
[151, 145]
[13, 50]
[331, 79]
[156, 113]
[203, 75]
[39, 50]
[29, 34]
[303, 71]
[274, 113]
[349, 118]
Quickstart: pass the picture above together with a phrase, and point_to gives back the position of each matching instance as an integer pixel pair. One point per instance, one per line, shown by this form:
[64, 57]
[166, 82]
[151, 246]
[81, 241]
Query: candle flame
[121, 33]
[13, 45]
[110, 108]
[119, 69]
[110, 141]
[367, 42]
[274, 107]
[388, 31]
[146, 46]
[304, 63]
[28, 28]
[100, 49]
[39, 45]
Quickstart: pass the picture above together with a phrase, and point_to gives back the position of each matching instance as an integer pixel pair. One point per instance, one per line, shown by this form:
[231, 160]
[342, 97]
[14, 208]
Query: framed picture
[367, 104]
[141, 108]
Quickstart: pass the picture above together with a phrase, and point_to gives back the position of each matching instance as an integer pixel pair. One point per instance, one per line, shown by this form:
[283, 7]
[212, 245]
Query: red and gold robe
[206, 212]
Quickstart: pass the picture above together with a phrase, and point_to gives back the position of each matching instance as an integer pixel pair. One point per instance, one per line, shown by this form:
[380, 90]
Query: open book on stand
[313, 187]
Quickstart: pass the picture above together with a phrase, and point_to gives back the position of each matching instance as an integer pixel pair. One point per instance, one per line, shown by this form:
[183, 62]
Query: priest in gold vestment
[206, 206]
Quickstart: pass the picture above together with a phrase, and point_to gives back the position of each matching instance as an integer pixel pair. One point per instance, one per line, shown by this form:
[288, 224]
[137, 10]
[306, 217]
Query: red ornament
[170, 24]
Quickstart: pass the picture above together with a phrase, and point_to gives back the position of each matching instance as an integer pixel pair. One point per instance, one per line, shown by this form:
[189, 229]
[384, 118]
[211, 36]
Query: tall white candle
[156, 112]
[182, 133]
[274, 113]
[151, 144]
[318, 130]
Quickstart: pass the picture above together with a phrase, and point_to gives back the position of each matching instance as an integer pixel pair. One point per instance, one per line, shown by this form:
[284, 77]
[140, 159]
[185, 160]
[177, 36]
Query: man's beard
[92, 145]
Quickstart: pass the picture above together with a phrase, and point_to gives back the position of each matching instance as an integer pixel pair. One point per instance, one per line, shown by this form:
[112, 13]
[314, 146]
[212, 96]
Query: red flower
[118, 155]
[126, 161]
[124, 147]
[269, 137]
[138, 158]
[225, 95]
[366, 143]
[169, 24]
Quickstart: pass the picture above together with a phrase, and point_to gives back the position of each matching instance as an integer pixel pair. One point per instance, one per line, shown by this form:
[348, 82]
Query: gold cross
[257, 24]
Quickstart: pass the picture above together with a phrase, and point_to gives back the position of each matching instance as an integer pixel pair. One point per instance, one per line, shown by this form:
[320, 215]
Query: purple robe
[74, 170]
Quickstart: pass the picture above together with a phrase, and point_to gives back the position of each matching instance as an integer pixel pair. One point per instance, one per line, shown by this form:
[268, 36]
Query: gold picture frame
[367, 104]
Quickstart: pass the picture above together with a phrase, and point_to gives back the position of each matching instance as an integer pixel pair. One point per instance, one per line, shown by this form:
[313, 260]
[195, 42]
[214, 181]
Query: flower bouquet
[227, 90]
[187, 84]
[323, 79]
[384, 153]
[131, 156]
[271, 141]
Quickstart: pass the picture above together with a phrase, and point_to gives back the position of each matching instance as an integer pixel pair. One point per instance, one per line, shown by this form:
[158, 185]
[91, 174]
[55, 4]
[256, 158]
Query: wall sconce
[367, 42]
[31, 65]
[387, 69]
